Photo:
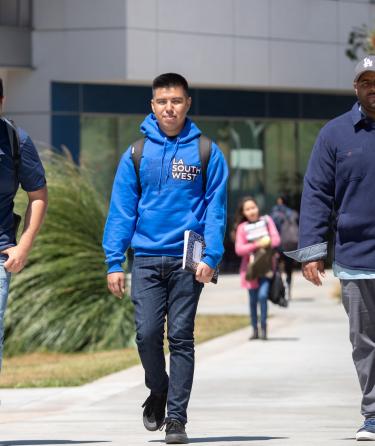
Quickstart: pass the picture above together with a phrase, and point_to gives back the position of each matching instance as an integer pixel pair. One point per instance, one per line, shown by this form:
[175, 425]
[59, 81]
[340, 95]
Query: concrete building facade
[265, 75]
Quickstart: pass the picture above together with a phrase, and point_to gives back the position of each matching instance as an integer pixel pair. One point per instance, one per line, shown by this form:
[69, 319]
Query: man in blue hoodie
[151, 217]
[339, 186]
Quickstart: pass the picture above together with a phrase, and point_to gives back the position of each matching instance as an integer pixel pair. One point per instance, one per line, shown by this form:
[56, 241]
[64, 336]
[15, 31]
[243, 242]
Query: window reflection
[265, 157]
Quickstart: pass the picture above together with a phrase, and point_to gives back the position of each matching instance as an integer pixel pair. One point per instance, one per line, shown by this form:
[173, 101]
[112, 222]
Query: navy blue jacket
[30, 176]
[340, 183]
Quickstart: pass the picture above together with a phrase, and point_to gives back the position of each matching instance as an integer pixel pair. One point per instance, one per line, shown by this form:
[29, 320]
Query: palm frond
[60, 302]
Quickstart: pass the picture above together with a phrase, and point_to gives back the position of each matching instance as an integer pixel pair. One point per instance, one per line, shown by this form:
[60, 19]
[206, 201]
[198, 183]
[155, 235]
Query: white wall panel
[68, 14]
[251, 18]
[81, 55]
[49, 14]
[202, 59]
[141, 55]
[141, 14]
[251, 62]
[27, 92]
[304, 20]
[208, 16]
[304, 66]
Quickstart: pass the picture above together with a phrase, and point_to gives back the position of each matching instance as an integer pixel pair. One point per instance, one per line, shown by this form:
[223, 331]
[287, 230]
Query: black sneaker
[255, 335]
[263, 336]
[154, 411]
[175, 432]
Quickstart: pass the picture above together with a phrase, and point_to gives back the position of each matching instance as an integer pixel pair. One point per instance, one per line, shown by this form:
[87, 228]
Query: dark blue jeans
[4, 288]
[161, 288]
[260, 295]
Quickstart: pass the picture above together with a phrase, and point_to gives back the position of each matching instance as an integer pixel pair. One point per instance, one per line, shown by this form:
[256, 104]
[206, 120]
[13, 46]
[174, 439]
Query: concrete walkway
[298, 388]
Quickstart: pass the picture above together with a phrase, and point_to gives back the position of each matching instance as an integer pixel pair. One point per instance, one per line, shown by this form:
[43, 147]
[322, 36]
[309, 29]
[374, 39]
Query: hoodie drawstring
[162, 163]
[175, 148]
[173, 155]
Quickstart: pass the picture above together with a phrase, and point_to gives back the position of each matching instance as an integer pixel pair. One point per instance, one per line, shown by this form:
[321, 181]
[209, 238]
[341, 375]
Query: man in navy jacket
[340, 182]
[30, 175]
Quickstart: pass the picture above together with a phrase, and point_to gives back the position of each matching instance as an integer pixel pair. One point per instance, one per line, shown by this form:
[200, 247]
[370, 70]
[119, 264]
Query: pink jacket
[244, 249]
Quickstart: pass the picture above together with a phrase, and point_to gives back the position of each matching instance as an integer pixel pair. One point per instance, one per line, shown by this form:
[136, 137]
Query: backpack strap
[205, 147]
[14, 142]
[136, 154]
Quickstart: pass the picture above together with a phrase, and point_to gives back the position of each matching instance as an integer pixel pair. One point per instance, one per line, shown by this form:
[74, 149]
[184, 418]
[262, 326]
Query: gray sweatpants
[358, 297]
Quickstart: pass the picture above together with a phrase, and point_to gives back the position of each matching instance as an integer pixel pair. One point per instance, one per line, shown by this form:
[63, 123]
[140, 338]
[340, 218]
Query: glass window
[242, 144]
[308, 131]
[281, 145]
[103, 141]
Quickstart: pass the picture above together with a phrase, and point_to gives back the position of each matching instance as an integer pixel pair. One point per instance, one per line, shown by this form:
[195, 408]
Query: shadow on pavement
[46, 442]
[229, 439]
[271, 339]
[301, 299]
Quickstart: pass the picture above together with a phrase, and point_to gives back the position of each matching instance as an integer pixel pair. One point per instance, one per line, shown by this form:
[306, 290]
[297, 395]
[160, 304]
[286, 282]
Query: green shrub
[60, 302]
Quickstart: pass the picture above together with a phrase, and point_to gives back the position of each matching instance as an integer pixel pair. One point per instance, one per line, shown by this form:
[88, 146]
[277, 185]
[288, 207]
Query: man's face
[365, 91]
[170, 106]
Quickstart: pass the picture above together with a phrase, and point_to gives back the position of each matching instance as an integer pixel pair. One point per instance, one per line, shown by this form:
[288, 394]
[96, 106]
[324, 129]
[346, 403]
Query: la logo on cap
[367, 62]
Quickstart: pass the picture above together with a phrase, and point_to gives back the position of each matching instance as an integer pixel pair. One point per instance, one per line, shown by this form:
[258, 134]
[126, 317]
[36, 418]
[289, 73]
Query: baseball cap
[366, 64]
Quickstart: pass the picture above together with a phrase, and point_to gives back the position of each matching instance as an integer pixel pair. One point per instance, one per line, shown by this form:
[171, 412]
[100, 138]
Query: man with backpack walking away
[171, 181]
[19, 164]
[286, 220]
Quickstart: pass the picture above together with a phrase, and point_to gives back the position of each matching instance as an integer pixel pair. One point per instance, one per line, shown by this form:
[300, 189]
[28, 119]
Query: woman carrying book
[253, 233]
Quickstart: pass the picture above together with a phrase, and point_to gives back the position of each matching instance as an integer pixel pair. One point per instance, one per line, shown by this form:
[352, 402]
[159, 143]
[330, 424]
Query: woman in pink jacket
[253, 232]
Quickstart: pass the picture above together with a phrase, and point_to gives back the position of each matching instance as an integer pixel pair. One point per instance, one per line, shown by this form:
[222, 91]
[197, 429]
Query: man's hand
[312, 271]
[204, 273]
[17, 257]
[116, 284]
[35, 212]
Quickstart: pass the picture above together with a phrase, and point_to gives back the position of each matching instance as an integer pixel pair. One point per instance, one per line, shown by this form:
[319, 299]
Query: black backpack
[289, 232]
[205, 146]
[14, 142]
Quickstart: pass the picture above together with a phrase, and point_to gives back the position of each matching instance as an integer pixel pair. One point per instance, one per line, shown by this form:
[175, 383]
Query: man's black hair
[168, 80]
[1, 88]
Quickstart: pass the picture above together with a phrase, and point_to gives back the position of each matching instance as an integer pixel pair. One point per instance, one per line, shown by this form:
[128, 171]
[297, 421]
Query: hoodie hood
[150, 128]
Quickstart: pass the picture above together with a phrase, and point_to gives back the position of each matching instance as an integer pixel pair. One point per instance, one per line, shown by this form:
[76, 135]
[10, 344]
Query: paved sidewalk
[298, 388]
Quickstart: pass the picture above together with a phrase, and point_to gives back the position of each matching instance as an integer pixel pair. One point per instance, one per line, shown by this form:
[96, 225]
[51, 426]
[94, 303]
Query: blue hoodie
[172, 198]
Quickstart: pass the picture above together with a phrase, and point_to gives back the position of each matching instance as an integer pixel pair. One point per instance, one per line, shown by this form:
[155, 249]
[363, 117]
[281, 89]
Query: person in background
[286, 221]
[254, 231]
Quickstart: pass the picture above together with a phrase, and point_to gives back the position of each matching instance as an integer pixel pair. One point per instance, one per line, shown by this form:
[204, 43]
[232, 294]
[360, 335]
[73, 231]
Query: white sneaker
[367, 431]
